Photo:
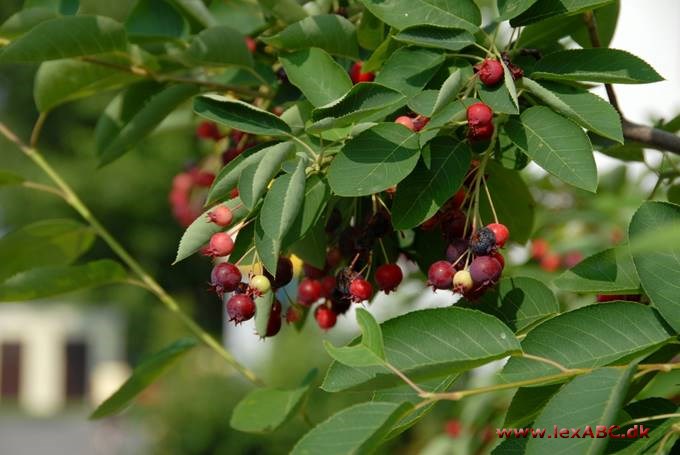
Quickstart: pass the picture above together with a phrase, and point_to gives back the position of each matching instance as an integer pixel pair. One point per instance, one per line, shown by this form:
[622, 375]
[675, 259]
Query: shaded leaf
[286, 10]
[255, 176]
[24, 20]
[507, 9]
[408, 70]
[208, 47]
[317, 193]
[155, 20]
[452, 39]
[283, 202]
[330, 32]
[240, 115]
[117, 10]
[610, 271]
[527, 403]
[10, 179]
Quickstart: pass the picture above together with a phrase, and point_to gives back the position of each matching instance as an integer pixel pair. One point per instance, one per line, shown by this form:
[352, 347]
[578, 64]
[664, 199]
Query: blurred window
[76, 370]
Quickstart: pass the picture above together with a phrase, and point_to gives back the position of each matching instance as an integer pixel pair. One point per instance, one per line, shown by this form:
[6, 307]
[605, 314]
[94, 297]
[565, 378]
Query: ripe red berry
[221, 244]
[208, 130]
[328, 284]
[182, 182]
[251, 44]
[225, 277]
[485, 270]
[221, 216]
[539, 248]
[240, 307]
[309, 291]
[360, 290]
[499, 257]
[490, 72]
[233, 193]
[325, 317]
[479, 114]
[480, 132]
[440, 275]
[294, 314]
[483, 242]
[453, 428]
[611, 298]
[284, 273]
[312, 272]
[203, 178]
[406, 121]
[550, 262]
[420, 122]
[388, 277]
[357, 76]
[273, 324]
[501, 233]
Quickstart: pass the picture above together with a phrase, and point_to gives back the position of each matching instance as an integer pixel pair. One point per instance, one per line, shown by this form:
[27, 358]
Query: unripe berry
[357, 76]
[500, 232]
[221, 216]
[483, 242]
[284, 273]
[479, 114]
[240, 307]
[388, 277]
[406, 121]
[440, 275]
[490, 72]
[360, 290]
[485, 270]
[221, 244]
[208, 130]
[309, 291]
[225, 277]
[462, 282]
[325, 317]
[261, 284]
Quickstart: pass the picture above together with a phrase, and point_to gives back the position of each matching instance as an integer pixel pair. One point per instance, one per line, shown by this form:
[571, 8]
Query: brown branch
[646, 135]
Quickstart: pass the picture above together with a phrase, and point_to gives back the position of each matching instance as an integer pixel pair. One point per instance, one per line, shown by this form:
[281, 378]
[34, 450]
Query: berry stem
[146, 280]
[488, 195]
[382, 247]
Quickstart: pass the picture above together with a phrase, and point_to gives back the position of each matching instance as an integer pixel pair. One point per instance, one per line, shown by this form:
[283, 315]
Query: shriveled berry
[440, 275]
[405, 121]
[483, 242]
[312, 272]
[485, 270]
[240, 307]
[309, 291]
[225, 277]
[479, 114]
[490, 72]
[357, 76]
[208, 130]
[284, 273]
[501, 233]
[327, 286]
[261, 284]
[388, 277]
[480, 132]
[325, 317]
[221, 244]
[221, 216]
[462, 281]
[360, 290]
[273, 324]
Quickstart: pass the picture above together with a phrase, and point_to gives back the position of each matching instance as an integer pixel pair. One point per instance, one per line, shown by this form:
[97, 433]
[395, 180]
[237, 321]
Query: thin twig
[37, 128]
[406, 379]
[44, 188]
[560, 367]
[650, 418]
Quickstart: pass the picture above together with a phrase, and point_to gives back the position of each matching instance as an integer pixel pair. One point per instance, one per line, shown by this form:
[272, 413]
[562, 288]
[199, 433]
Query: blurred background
[59, 359]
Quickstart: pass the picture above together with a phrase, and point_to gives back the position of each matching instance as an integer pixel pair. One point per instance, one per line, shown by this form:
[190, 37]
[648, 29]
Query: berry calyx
[225, 277]
[483, 242]
[501, 233]
[260, 284]
[388, 277]
[485, 270]
[325, 317]
[357, 76]
[479, 114]
[309, 291]
[405, 121]
[360, 290]
[440, 275]
[462, 282]
[420, 122]
[208, 130]
[221, 244]
[490, 72]
[221, 216]
[481, 132]
[240, 308]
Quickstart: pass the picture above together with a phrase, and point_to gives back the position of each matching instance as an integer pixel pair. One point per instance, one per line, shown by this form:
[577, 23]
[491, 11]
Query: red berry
[325, 317]
[225, 277]
[208, 130]
[431, 223]
[611, 298]
[221, 244]
[273, 324]
[420, 122]
[481, 132]
[550, 262]
[572, 258]
[452, 428]
[388, 277]
[276, 307]
[293, 314]
[182, 182]
[490, 72]
[284, 273]
[328, 284]
[360, 290]
[357, 76]
[333, 257]
[440, 275]
[501, 232]
[309, 291]
[455, 250]
[539, 248]
[312, 272]
[479, 114]
[485, 270]
[453, 224]
[499, 257]
[203, 178]
[251, 44]
[240, 307]
[233, 193]
[221, 216]
[406, 121]
[230, 154]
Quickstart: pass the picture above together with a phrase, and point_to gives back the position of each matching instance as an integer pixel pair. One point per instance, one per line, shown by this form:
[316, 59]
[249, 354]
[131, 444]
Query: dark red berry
[333, 222]
[312, 272]
[420, 122]
[490, 72]
[183, 182]
[230, 154]
[221, 244]
[273, 324]
[485, 270]
[388, 277]
[539, 248]
[284, 273]
[240, 307]
[431, 223]
[328, 284]
[333, 257]
[221, 216]
[225, 277]
[611, 298]
[481, 132]
[276, 307]
[479, 114]
[309, 291]
[453, 224]
[208, 130]
[357, 76]
[455, 250]
[499, 257]
[405, 121]
[500, 232]
[360, 290]
[203, 179]
[325, 317]
[440, 275]
[483, 242]
[340, 303]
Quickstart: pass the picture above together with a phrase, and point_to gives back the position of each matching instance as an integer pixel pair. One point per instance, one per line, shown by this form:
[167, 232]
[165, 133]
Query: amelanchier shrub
[357, 132]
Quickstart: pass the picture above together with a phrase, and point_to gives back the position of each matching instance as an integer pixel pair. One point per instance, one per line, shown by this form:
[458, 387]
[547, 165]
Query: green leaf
[512, 199]
[543, 9]
[117, 10]
[283, 202]
[330, 32]
[586, 109]
[527, 403]
[507, 9]
[42, 244]
[143, 376]
[197, 11]
[361, 103]
[265, 409]
[588, 337]
[256, 176]
[59, 81]
[437, 177]
[286, 10]
[208, 48]
[358, 429]
[199, 232]
[659, 270]
[673, 193]
[48, 281]
[244, 15]
[10, 179]
[146, 120]
[610, 271]
[263, 308]
[239, 115]
[444, 13]
[499, 97]
[382, 53]
[312, 247]
[659, 428]
[427, 344]
[451, 86]
[374, 160]
[317, 193]
[520, 302]
[267, 248]
[556, 144]
[155, 20]
[68, 36]
[408, 70]
[320, 78]
[589, 400]
[370, 31]
[370, 352]
[24, 20]
[452, 39]
[611, 66]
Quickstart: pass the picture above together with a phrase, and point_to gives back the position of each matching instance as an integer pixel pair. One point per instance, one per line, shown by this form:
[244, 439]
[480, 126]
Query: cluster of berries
[551, 261]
